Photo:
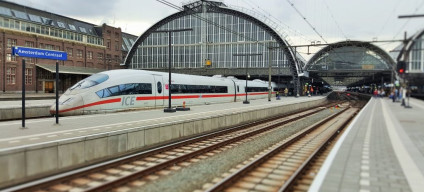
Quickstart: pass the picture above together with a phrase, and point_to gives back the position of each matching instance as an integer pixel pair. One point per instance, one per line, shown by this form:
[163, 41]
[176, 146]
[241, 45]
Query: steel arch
[293, 61]
[367, 45]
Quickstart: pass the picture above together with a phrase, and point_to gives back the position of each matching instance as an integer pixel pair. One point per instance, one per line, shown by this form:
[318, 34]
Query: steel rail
[295, 176]
[46, 182]
[126, 179]
[220, 186]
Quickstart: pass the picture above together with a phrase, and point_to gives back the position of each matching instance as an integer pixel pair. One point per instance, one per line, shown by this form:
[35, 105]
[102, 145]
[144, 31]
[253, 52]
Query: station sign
[39, 53]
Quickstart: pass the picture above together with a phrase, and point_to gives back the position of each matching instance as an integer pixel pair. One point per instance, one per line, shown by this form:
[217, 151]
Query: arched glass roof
[218, 32]
[351, 55]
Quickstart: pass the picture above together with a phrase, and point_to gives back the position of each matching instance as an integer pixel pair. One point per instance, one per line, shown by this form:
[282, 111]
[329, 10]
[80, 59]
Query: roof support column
[203, 33]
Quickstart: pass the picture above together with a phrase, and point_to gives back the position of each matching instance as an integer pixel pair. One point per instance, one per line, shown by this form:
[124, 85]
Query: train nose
[68, 105]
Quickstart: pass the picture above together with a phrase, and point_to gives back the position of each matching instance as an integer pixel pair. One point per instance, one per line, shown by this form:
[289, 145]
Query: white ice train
[126, 89]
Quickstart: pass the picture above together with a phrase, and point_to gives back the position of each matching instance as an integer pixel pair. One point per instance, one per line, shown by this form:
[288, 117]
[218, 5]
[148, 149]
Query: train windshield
[91, 81]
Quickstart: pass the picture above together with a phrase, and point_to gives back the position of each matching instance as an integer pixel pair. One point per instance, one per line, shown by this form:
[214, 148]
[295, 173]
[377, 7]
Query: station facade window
[11, 43]
[11, 75]
[70, 51]
[10, 57]
[28, 76]
[49, 30]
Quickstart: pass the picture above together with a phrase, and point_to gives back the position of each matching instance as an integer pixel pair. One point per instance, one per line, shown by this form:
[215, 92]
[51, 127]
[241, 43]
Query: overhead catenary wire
[335, 21]
[245, 37]
[257, 7]
[392, 13]
[170, 4]
[407, 21]
[209, 21]
[304, 18]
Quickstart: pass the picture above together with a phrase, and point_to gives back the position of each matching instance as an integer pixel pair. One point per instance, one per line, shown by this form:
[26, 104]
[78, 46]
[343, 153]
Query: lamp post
[169, 109]
[247, 65]
[269, 74]
[270, 49]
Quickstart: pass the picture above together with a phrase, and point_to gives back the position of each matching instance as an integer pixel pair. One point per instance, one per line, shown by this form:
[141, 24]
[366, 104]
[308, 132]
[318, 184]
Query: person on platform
[286, 91]
[396, 96]
[393, 95]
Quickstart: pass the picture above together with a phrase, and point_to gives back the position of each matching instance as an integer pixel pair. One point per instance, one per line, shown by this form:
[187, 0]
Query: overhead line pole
[247, 65]
[170, 109]
[409, 16]
[270, 48]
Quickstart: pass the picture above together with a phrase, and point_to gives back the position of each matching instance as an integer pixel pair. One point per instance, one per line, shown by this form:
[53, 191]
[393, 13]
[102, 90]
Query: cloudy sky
[334, 20]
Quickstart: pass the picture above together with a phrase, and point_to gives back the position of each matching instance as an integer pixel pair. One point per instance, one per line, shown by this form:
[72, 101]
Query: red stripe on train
[244, 94]
[92, 104]
[157, 98]
[182, 97]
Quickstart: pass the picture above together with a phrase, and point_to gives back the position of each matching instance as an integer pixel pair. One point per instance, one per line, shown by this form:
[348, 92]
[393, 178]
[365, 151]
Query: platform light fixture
[247, 74]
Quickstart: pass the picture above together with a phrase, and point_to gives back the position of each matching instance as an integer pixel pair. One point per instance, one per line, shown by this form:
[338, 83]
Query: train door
[159, 92]
[240, 86]
[236, 88]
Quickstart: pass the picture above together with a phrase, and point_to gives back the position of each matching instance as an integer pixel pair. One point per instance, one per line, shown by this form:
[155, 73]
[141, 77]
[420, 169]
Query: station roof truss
[409, 45]
[411, 54]
[219, 7]
[350, 62]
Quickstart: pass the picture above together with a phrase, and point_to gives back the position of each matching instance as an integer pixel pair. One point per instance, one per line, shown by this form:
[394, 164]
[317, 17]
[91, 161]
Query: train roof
[127, 72]
[181, 77]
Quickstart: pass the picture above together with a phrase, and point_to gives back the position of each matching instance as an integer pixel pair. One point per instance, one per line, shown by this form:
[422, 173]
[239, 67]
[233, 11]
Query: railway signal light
[401, 65]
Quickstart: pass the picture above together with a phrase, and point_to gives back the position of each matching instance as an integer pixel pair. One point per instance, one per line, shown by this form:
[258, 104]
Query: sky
[304, 21]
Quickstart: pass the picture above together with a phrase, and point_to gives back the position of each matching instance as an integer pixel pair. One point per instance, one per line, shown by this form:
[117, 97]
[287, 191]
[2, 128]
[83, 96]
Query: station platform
[36, 105]
[382, 150]
[44, 130]
[28, 96]
[44, 147]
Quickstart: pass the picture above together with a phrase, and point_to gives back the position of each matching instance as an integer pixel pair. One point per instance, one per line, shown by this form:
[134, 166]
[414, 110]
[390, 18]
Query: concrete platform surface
[12, 109]
[28, 103]
[28, 96]
[382, 150]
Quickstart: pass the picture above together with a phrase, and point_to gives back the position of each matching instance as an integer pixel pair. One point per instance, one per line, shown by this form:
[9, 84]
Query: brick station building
[90, 48]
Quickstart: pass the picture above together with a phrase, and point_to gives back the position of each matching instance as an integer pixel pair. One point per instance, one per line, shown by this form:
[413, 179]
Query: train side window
[127, 89]
[114, 91]
[144, 88]
[159, 87]
[91, 81]
[238, 88]
[174, 88]
[103, 93]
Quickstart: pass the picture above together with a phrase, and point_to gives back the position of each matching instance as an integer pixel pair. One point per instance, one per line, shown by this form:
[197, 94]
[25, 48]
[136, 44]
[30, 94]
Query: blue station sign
[39, 53]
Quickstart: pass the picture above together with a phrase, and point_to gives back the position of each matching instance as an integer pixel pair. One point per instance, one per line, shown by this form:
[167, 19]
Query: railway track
[136, 170]
[282, 167]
